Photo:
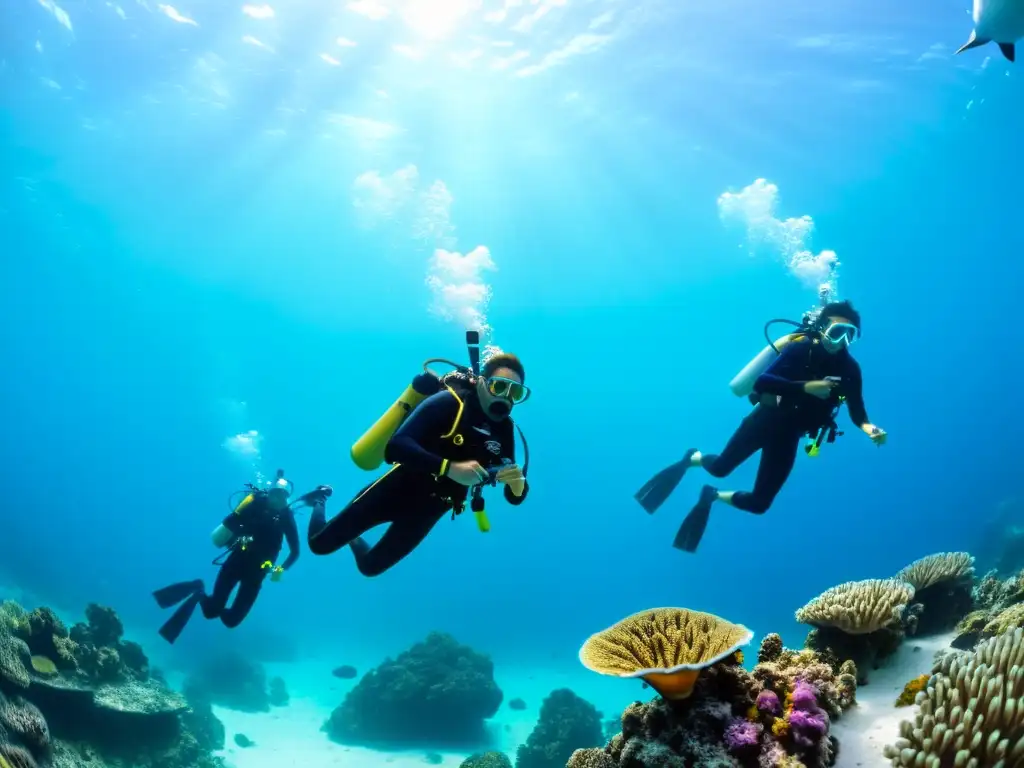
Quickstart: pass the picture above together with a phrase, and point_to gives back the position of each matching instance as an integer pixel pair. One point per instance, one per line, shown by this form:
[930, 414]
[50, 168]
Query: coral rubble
[438, 692]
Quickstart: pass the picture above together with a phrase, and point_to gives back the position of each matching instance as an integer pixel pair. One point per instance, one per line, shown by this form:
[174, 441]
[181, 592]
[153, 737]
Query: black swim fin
[175, 593]
[660, 487]
[176, 624]
[692, 530]
[1008, 50]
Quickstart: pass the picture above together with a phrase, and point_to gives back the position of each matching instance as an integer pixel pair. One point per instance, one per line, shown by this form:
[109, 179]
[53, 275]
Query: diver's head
[278, 493]
[500, 385]
[840, 325]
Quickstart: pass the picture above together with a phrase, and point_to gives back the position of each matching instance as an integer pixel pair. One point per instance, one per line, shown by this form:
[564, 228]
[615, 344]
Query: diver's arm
[509, 439]
[291, 535]
[431, 419]
[853, 390]
[779, 378]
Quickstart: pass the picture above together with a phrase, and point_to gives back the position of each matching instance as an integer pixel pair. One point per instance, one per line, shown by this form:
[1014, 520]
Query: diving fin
[974, 41]
[660, 487]
[692, 530]
[174, 625]
[172, 595]
[1008, 51]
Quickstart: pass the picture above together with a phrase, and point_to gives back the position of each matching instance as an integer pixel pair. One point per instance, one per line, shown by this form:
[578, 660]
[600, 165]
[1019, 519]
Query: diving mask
[508, 389]
[841, 334]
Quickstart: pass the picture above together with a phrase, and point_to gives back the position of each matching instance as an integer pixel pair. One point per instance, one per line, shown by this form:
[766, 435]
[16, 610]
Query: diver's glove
[318, 495]
[512, 476]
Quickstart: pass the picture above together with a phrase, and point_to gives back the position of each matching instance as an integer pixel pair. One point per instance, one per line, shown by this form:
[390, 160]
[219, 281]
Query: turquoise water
[217, 219]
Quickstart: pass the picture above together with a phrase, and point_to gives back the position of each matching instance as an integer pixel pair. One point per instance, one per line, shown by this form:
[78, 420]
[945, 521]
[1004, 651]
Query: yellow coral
[780, 727]
[753, 714]
[666, 647]
[739, 657]
[911, 689]
[43, 666]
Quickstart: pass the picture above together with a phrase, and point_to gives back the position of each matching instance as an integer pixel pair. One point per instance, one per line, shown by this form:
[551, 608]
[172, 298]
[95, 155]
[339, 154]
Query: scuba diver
[253, 534]
[447, 438]
[797, 385]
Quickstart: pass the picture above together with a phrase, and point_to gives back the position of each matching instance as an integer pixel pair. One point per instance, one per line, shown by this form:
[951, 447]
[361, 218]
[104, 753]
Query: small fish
[997, 21]
[345, 672]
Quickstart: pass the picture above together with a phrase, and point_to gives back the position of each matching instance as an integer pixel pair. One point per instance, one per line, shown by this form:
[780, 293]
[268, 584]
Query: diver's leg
[401, 538]
[228, 576]
[375, 505]
[748, 438]
[249, 586]
[777, 460]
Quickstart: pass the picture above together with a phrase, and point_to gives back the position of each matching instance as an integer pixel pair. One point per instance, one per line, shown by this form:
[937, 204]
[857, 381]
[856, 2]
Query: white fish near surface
[997, 21]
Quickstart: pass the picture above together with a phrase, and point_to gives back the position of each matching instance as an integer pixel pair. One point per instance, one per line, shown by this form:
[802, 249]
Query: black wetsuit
[414, 494]
[268, 529]
[776, 428]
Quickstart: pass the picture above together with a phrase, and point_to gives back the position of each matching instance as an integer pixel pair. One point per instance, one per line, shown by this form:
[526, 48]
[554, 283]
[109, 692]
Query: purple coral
[768, 702]
[807, 721]
[804, 696]
[742, 735]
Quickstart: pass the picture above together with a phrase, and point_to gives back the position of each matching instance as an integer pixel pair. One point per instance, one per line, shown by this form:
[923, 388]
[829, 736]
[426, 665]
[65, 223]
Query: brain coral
[859, 607]
[667, 647]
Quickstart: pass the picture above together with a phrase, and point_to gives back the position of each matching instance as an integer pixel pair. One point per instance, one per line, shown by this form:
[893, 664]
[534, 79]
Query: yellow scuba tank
[368, 451]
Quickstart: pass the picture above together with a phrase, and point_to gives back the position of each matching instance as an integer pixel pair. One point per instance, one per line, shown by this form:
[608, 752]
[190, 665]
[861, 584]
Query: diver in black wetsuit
[253, 534]
[799, 394]
[444, 448]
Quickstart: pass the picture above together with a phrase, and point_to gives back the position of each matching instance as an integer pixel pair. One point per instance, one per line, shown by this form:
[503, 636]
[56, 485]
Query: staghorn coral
[968, 713]
[859, 607]
[667, 647]
[942, 583]
[566, 723]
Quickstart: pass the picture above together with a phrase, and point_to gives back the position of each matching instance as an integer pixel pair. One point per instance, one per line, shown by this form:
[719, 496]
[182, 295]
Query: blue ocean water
[231, 233]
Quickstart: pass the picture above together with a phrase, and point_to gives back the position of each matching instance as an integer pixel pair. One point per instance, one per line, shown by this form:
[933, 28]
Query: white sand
[291, 735]
[865, 730]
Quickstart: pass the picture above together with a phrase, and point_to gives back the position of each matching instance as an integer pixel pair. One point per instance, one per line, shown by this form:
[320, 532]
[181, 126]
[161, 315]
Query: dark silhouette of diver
[253, 534]
[798, 394]
[457, 439]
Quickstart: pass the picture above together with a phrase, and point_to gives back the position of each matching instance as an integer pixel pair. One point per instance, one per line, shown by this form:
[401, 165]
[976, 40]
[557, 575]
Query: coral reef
[487, 760]
[666, 647]
[230, 680]
[278, 693]
[776, 716]
[968, 714]
[59, 710]
[997, 607]
[860, 620]
[909, 694]
[567, 723]
[438, 692]
[942, 585]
